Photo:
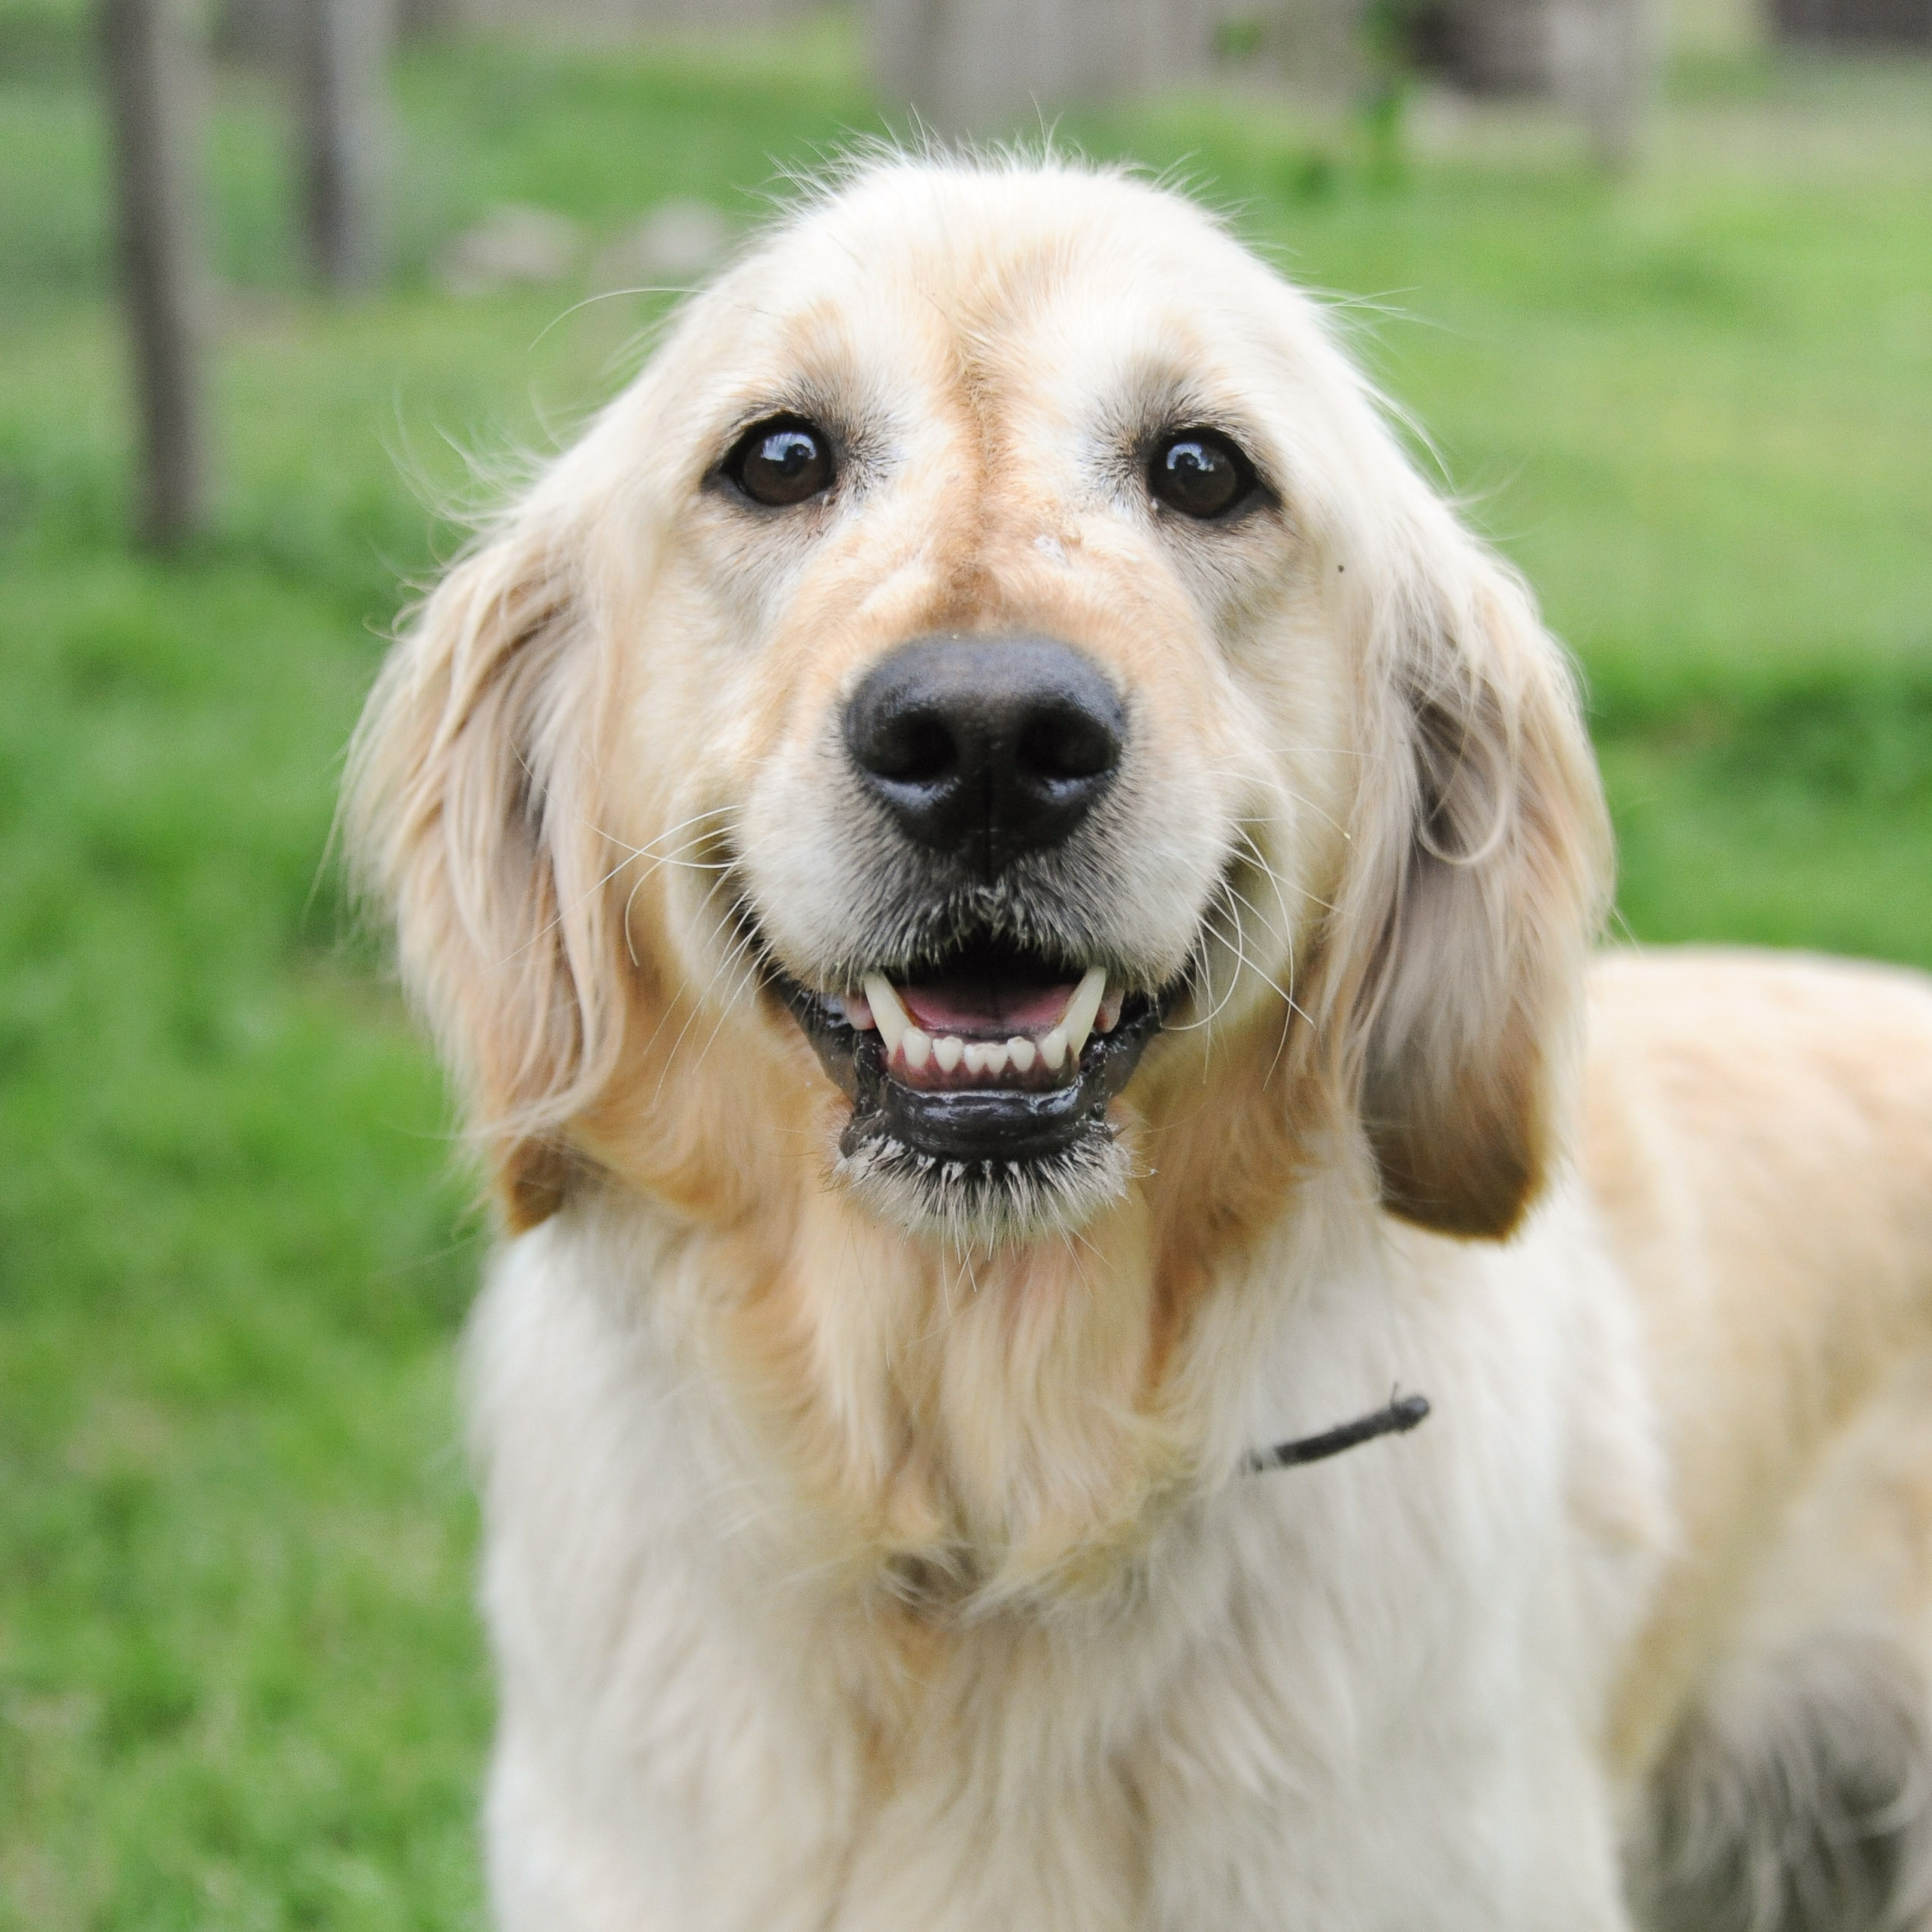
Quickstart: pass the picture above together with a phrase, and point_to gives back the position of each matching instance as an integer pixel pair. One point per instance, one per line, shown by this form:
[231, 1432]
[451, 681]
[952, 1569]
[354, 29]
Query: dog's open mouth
[990, 1053]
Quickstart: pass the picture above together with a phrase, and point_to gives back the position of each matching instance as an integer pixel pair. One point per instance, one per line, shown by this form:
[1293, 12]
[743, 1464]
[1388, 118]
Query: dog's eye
[1200, 473]
[784, 460]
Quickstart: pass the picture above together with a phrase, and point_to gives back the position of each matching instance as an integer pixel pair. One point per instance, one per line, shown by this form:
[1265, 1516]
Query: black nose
[986, 746]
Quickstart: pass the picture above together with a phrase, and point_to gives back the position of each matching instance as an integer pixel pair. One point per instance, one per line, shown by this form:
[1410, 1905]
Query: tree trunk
[1605, 65]
[151, 88]
[968, 67]
[340, 46]
[1598, 57]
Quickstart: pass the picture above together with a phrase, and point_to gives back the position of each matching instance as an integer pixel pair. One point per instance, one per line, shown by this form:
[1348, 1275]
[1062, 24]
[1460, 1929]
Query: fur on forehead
[1007, 284]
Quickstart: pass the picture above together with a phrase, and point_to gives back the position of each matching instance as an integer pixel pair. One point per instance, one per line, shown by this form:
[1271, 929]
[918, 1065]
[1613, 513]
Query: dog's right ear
[463, 820]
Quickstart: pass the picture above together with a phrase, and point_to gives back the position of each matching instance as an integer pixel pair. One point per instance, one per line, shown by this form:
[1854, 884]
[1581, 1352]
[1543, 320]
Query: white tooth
[1052, 1050]
[995, 1058]
[887, 1010]
[1023, 1053]
[857, 1013]
[1109, 1016]
[976, 1053]
[948, 1052]
[1077, 1022]
[916, 1047]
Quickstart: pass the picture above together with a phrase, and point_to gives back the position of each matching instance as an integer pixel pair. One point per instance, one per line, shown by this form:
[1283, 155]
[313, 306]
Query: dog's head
[991, 694]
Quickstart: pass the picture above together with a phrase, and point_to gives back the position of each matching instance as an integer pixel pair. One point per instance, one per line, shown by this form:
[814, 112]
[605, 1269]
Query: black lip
[971, 1124]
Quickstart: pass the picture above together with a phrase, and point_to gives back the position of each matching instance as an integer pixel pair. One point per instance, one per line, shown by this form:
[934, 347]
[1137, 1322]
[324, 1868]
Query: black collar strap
[1401, 1415]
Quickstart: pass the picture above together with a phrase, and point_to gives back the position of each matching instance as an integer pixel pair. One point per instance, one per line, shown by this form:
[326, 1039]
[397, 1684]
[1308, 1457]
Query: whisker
[727, 963]
[1249, 964]
[1266, 924]
[632, 854]
[723, 867]
[740, 986]
[1327, 818]
[1208, 926]
[1288, 937]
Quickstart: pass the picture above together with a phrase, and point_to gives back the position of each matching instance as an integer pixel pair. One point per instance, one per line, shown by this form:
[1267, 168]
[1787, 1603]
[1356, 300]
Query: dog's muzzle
[983, 753]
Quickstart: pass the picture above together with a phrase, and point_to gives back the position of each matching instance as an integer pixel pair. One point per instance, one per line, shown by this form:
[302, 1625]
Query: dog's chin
[977, 1204]
[1012, 1140]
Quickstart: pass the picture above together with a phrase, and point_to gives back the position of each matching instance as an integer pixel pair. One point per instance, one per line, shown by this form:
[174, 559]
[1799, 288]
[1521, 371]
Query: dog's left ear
[1479, 880]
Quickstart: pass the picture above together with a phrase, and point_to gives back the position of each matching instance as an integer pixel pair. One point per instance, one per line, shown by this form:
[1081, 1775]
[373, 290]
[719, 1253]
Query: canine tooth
[916, 1045]
[1077, 1022]
[949, 1052]
[856, 1011]
[891, 1016]
[1023, 1053]
[1109, 1016]
[1052, 1050]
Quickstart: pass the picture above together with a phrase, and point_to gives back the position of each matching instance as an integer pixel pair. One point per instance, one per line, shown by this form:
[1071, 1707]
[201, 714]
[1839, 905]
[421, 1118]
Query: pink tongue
[981, 1008]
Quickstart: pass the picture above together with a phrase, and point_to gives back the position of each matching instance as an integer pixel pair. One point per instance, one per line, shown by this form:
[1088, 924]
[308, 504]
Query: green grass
[240, 1682]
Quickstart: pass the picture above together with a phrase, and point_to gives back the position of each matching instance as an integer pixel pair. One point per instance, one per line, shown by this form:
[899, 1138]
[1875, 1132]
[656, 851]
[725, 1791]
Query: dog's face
[1007, 670]
[991, 684]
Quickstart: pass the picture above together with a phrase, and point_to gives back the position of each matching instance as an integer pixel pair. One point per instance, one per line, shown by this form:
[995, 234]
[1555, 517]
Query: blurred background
[284, 283]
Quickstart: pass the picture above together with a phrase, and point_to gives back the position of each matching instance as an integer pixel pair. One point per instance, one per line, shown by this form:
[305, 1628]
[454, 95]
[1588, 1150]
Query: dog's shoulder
[1802, 1062]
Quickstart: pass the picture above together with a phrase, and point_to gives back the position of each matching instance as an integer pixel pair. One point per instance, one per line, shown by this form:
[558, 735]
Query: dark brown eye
[783, 461]
[1200, 473]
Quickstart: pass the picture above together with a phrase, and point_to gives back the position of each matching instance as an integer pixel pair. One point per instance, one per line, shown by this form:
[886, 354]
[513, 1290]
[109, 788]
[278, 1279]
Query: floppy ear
[464, 817]
[1481, 875]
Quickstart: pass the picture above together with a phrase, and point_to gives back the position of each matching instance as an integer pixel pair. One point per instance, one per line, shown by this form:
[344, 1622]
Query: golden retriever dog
[1012, 897]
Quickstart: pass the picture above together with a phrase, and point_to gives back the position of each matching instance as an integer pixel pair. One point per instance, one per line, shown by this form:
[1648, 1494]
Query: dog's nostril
[1065, 743]
[917, 747]
[986, 747]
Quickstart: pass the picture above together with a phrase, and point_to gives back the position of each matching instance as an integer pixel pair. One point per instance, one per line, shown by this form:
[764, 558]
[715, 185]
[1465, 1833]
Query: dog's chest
[1307, 1667]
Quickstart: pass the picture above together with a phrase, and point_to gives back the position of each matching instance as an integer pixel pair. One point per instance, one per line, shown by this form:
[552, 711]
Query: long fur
[1795, 1798]
[868, 1542]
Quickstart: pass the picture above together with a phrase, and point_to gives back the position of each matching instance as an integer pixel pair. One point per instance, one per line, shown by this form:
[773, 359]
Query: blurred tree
[340, 49]
[1597, 57]
[265, 32]
[153, 86]
[423, 19]
[1607, 68]
[973, 66]
[603, 18]
[1876, 22]
[966, 66]
[262, 32]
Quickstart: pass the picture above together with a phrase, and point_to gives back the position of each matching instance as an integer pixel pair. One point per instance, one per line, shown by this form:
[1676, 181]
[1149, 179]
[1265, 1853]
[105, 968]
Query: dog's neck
[952, 1411]
[1401, 1414]
[989, 1422]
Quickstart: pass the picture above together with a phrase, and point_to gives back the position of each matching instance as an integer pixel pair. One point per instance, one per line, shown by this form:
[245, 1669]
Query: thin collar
[1403, 1413]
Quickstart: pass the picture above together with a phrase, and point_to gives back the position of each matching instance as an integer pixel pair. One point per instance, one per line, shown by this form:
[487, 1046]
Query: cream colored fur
[845, 1575]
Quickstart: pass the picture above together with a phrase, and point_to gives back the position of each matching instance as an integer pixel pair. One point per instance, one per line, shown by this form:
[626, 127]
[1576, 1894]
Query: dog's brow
[851, 420]
[1151, 401]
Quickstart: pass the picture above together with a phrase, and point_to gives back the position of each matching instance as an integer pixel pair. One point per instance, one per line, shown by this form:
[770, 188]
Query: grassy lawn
[240, 1682]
